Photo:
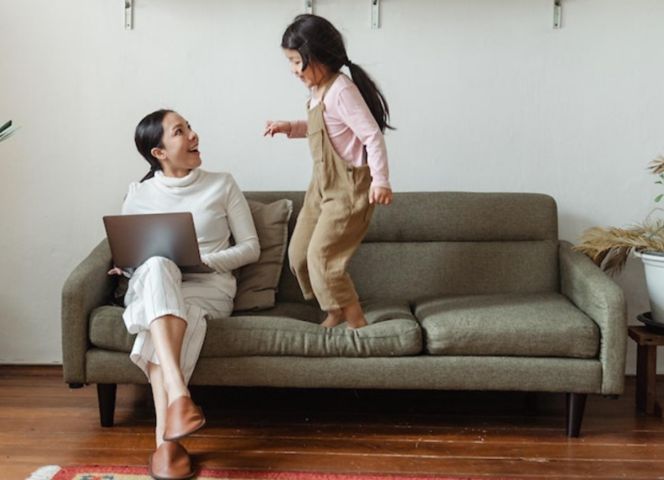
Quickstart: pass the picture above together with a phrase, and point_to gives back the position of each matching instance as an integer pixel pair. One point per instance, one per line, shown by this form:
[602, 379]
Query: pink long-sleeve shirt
[351, 127]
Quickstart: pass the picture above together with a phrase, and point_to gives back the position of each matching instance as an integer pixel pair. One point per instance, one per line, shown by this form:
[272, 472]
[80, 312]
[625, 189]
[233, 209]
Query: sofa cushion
[543, 325]
[287, 329]
[257, 282]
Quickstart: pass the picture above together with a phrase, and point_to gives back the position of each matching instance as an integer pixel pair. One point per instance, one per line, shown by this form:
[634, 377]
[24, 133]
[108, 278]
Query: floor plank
[480, 434]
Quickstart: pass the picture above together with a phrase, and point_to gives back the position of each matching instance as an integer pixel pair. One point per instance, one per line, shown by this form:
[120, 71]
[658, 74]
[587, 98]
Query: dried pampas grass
[657, 165]
[610, 247]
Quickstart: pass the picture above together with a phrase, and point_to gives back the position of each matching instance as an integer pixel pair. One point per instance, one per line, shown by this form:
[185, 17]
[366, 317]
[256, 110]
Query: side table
[646, 369]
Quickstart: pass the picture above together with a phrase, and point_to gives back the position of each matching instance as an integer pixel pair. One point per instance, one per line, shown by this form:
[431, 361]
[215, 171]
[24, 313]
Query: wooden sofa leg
[576, 403]
[106, 400]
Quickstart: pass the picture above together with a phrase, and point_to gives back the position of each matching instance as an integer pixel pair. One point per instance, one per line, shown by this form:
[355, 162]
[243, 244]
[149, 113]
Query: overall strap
[327, 86]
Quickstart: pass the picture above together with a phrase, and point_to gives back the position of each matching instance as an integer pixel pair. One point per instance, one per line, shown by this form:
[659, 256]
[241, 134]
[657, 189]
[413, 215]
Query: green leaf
[659, 197]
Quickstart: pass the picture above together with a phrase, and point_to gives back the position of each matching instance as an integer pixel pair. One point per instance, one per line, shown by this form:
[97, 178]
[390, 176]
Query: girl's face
[312, 76]
[179, 153]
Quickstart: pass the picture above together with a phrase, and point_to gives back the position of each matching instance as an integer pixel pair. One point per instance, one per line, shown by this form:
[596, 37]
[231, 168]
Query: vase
[653, 264]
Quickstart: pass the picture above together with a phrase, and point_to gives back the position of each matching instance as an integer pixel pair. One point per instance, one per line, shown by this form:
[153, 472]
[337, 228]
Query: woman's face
[312, 76]
[179, 153]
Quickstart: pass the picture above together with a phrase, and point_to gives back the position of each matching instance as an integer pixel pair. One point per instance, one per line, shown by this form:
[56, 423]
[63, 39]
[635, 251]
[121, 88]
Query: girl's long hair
[315, 38]
[148, 135]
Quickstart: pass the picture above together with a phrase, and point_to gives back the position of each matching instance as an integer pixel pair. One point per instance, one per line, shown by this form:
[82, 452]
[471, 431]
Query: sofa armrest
[86, 288]
[594, 292]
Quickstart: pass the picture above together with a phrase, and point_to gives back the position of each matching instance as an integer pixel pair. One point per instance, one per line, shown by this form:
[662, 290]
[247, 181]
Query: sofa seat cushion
[286, 329]
[542, 325]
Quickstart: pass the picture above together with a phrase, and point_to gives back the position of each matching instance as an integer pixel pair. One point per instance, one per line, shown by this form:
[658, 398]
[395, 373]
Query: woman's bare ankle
[159, 437]
[175, 390]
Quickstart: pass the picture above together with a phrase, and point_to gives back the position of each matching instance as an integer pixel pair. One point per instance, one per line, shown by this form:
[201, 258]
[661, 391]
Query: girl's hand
[278, 126]
[380, 195]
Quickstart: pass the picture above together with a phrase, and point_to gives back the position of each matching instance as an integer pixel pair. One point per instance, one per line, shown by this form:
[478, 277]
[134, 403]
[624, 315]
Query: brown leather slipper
[183, 418]
[170, 462]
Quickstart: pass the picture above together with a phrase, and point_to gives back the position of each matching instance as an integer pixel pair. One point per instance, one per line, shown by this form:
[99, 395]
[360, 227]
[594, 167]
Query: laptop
[135, 238]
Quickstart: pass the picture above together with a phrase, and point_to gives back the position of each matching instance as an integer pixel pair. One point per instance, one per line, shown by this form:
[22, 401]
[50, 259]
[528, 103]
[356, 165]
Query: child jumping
[346, 121]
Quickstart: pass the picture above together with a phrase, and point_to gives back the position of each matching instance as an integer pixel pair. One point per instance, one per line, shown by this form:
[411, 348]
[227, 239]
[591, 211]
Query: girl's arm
[246, 249]
[293, 129]
[298, 129]
[354, 112]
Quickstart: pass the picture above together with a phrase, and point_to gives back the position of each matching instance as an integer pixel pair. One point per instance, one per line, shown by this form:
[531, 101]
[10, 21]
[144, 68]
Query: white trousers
[158, 288]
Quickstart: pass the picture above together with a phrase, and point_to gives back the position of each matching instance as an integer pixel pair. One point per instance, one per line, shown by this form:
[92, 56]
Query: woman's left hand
[380, 195]
[117, 271]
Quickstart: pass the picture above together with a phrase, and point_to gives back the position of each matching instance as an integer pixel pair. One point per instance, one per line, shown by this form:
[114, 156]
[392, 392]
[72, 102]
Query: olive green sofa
[463, 291]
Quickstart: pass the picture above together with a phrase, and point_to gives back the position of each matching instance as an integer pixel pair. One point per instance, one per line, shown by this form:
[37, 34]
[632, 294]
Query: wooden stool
[646, 369]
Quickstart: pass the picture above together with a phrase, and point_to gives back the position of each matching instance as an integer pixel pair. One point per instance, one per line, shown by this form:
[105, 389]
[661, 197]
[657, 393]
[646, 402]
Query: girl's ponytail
[371, 95]
[315, 38]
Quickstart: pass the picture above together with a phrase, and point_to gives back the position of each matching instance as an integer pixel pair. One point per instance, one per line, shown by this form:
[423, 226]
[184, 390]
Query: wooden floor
[476, 434]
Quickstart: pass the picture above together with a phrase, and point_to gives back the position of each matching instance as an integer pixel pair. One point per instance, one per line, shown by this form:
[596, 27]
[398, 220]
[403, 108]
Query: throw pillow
[257, 282]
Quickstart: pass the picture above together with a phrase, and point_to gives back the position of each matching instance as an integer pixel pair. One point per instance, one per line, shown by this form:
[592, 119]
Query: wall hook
[309, 6]
[375, 14]
[557, 13]
[129, 14]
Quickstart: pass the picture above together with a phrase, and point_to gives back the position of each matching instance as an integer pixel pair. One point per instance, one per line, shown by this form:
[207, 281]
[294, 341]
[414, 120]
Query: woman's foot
[334, 318]
[183, 418]
[170, 462]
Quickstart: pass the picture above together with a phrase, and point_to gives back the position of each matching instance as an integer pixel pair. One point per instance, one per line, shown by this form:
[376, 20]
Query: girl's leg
[334, 241]
[297, 253]
[160, 400]
[354, 315]
[167, 333]
[334, 318]
[299, 241]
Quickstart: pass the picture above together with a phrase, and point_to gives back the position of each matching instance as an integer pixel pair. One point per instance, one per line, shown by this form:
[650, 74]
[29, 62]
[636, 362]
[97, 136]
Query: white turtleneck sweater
[218, 207]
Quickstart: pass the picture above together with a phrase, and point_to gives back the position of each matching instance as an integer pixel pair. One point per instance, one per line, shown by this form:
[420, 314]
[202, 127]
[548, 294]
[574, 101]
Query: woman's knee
[161, 264]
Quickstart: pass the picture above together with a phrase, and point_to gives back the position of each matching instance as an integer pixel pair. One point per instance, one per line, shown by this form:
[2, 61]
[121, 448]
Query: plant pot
[653, 263]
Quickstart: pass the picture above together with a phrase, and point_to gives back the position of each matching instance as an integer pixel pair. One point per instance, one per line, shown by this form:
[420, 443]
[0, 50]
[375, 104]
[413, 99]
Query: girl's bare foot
[354, 315]
[334, 318]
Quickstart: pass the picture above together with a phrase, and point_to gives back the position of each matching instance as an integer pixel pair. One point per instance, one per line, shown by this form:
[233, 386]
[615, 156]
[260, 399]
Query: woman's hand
[278, 126]
[117, 271]
[380, 195]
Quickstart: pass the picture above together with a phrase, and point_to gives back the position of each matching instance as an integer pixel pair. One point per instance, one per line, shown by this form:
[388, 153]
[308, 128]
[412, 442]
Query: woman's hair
[148, 135]
[315, 38]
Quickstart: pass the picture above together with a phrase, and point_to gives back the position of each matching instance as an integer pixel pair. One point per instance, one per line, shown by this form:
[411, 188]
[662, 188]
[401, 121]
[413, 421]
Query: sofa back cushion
[448, 243]
[257, 282]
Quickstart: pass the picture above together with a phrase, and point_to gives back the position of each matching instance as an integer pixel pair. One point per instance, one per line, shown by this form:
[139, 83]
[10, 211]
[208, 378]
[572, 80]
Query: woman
[165, 308]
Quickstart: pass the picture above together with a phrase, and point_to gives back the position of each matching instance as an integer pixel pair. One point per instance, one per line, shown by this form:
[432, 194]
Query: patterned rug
[83, 472]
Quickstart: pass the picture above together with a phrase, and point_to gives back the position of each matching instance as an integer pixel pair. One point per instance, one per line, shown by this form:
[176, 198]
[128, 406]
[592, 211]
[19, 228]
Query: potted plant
[610, 247]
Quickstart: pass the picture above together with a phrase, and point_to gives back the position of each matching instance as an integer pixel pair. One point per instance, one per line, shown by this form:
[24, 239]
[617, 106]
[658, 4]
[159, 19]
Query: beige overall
[333, 221]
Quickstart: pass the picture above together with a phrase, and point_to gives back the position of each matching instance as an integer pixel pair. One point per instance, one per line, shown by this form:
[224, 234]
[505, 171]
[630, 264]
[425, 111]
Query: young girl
[346, 121]
[165, 308]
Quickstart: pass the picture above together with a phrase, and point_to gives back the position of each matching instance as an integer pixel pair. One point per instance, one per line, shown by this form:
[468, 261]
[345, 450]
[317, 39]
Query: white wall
[485, 94]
